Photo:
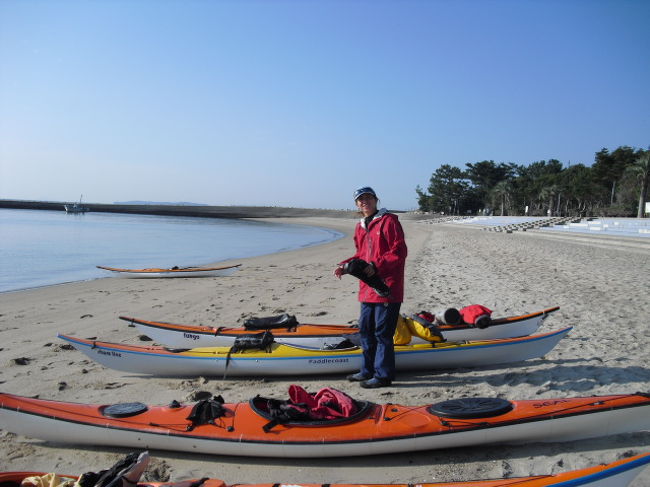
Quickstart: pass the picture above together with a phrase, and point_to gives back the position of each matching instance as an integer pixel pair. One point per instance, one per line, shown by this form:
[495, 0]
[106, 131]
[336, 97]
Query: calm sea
[40, 247]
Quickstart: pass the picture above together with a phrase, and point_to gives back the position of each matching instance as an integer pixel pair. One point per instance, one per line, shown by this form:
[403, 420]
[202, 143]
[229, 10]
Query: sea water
[42, 247]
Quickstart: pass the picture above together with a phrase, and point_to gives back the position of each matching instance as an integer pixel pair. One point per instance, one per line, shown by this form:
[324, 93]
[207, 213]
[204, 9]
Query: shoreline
[600, 291]
[328, 234]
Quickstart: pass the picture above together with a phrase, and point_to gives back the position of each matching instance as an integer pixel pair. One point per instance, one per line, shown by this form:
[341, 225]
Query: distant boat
[76, 207]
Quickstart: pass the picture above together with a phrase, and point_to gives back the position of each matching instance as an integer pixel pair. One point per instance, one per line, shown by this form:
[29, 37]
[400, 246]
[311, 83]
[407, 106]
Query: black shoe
[358, 377]
[375, 383]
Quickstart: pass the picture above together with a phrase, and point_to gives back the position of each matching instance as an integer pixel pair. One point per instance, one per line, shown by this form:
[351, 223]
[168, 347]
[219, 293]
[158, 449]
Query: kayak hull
[287, 360]
[319, 336]
[384, 429]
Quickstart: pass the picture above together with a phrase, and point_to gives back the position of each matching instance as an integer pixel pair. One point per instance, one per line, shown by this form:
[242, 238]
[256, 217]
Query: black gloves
[357, 267]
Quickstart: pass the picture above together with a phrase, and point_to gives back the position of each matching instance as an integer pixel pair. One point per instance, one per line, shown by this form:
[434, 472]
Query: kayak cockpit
[314, 413]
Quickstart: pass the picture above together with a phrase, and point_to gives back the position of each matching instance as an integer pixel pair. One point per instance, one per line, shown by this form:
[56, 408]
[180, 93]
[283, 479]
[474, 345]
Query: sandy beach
[602, 287]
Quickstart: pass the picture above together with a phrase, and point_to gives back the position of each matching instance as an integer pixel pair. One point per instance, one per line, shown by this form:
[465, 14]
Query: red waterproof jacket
[383, 244]
[327, 403]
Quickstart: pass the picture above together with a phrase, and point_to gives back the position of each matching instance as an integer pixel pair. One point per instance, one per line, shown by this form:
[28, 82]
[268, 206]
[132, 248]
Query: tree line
[616, 184]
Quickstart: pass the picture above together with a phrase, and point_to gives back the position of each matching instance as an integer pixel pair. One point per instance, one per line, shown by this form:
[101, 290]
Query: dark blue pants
[377, 324]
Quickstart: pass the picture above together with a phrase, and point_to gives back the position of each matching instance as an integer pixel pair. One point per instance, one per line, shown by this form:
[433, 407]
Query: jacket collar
[379, 214]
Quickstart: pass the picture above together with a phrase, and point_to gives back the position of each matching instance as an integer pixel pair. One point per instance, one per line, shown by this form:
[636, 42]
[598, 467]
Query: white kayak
[319, 336]
[288, 360]
[172, 272]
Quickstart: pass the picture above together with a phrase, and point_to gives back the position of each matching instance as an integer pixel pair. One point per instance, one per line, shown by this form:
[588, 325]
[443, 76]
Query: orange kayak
[616, 474]
[244, 428]
[174, 271]
[319, 336]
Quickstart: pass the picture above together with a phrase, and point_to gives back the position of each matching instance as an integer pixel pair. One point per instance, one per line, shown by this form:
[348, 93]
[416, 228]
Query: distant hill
[180, 203]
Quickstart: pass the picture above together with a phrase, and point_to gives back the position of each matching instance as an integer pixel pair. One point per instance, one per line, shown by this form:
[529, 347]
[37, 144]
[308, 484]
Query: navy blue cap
[362, 191]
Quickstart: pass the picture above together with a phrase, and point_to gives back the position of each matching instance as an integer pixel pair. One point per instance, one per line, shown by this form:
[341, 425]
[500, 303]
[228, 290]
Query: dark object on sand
[287, 321]
[450, 316]
[357, 268]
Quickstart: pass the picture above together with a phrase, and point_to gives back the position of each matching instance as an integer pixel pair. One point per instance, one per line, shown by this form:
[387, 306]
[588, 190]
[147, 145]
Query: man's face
[367, 204]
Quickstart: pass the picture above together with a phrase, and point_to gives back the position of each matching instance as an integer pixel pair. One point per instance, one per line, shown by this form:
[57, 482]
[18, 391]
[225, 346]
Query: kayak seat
[272, 322]
[471, 407]
[123, 409]
[284, 412]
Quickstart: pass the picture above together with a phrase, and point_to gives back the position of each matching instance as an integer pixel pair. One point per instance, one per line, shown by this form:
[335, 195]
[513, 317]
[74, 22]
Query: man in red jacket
[381, 251]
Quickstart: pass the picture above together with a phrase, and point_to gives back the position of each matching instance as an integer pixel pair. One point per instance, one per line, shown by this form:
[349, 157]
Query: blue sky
[296, 103]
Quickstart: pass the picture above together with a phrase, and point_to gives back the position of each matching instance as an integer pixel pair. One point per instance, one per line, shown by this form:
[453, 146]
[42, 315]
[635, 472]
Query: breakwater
[186, 210]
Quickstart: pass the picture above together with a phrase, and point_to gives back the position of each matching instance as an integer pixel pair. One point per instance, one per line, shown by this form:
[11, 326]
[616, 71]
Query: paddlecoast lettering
[191, 335]
[110, 353]
[328, 360]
